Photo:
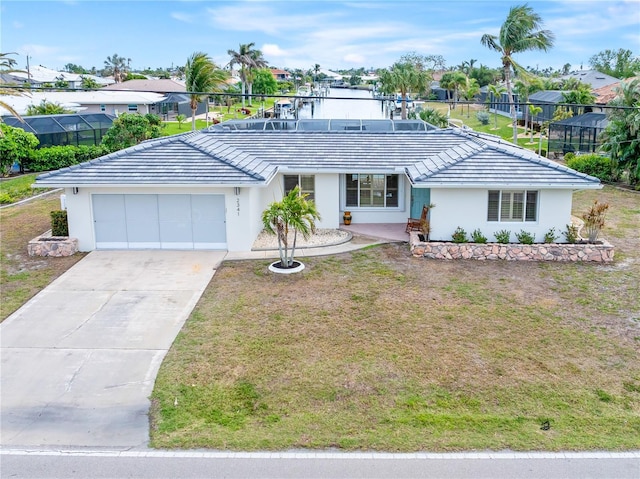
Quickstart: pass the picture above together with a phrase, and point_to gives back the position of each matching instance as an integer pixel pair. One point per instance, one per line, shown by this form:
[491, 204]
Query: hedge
[56, 157]
[592, 164]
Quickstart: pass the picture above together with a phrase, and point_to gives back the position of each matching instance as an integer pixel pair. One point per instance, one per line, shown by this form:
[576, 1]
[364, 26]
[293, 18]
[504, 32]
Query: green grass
[504, 130]
[375, 350]
[19, 188]
[23, 276]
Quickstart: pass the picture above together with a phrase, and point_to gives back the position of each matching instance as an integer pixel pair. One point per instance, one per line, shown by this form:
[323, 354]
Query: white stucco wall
[468, 208]
[239, 212]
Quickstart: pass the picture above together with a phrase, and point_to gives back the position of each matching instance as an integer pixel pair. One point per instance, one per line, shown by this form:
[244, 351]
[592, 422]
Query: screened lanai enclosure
[580, 133]
[73, 129]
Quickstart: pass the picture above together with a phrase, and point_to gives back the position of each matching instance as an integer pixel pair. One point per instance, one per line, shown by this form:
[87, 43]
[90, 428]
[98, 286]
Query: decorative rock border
[47, 245]
[602, 252]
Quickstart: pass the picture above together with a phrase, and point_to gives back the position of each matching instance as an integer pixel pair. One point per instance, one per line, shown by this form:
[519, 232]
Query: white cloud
[272, 50]
[354, 58]
[182, 17]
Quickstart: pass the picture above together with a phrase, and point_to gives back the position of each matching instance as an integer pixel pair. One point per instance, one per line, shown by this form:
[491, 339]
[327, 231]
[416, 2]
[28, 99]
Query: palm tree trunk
[250, 94]
[403, 106]
[193, 119]
[512, 105]
[243, 92]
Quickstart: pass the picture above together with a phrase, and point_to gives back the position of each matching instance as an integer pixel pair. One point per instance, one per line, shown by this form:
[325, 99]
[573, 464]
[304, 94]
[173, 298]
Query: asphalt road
[198, 464]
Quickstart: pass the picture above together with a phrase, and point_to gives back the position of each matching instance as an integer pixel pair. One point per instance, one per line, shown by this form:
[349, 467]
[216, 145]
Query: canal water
[345, 103]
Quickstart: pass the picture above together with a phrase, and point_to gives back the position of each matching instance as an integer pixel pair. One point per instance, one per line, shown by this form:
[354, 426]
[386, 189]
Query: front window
[512, 205]
[132, 107]
[307, 184]
[372, 190]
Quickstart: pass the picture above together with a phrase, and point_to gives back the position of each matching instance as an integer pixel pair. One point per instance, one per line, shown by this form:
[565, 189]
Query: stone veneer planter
[601, 252]
[47, 245]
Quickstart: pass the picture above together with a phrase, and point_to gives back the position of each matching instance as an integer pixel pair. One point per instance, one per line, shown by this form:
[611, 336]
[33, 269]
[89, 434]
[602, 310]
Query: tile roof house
[207, 189]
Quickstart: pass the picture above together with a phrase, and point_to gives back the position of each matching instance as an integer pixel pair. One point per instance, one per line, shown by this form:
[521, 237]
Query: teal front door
[419, 198]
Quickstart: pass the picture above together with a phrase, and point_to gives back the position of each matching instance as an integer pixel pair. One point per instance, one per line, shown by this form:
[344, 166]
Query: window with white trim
[512, 205]
[307, 184]
[372, 190]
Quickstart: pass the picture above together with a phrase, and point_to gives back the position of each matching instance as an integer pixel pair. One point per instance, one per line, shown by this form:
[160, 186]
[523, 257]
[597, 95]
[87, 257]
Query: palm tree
[257, 62]
[295, 213]
[519, 33]
[404, 78]
[316, 71]
[496, 91]
[534, 110]
[7, 65]
[116, 66]
[202, 76]
[248, 59]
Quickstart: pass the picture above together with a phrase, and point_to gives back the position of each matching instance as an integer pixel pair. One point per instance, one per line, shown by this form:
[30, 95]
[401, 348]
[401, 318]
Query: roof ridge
[244, 170]
[463, 150]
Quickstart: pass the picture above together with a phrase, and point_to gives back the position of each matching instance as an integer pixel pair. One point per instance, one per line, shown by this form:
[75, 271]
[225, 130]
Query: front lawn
[19, 188]
[21, 275]
[376, 350]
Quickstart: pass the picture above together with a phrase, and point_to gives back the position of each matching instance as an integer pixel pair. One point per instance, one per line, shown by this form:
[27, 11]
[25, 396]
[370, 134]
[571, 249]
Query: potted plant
[294, 213]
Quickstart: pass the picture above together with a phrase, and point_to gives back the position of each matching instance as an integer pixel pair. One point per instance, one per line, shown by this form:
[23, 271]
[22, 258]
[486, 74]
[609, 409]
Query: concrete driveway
[79, 360]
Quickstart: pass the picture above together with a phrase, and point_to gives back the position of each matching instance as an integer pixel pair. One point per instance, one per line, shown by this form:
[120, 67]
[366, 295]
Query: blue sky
[301, 33]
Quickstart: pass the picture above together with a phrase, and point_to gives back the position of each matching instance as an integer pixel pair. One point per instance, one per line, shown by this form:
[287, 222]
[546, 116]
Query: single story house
[207, 189]
[39, 76]
[98, 101]
[593, 78]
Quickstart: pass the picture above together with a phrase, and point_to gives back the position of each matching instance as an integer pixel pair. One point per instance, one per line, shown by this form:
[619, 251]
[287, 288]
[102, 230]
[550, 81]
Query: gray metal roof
[446, 157]
[547, 96]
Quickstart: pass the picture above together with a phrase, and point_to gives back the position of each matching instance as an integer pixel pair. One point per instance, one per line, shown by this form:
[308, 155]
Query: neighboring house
[593, 78]
[99, 101]
[39, 76]
[176, 100]
[578, 134]
[75, 129]
[280, 75]
[548, 100]
[208, 189]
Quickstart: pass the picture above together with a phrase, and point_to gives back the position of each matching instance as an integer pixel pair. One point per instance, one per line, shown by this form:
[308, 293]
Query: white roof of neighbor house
[158, 86]
[223, 156]
[75, 99]
[594, 78]
[40, 74]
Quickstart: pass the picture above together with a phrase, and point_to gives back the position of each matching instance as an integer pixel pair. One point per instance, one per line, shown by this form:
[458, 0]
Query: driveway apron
[79, 360]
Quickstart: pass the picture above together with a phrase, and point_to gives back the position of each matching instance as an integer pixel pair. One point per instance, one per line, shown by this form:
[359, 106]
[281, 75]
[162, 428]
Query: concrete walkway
[79, 360]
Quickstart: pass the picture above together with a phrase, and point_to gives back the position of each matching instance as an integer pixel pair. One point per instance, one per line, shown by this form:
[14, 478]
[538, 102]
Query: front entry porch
[385, 231]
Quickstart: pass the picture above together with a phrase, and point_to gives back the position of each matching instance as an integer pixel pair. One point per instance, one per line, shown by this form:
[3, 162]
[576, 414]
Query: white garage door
[159, 221]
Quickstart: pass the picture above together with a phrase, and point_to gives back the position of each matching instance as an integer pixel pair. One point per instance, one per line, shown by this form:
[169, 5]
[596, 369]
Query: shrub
[569, 156]
[594, 219]
[525, 237]
[61, 156]
[543, 153]
[593, 165]
[551, 236]
[483, 117]
[478, 237]
[59, 225]
[53, 158]
[459, 235]
[502, 236]
[571, 234]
